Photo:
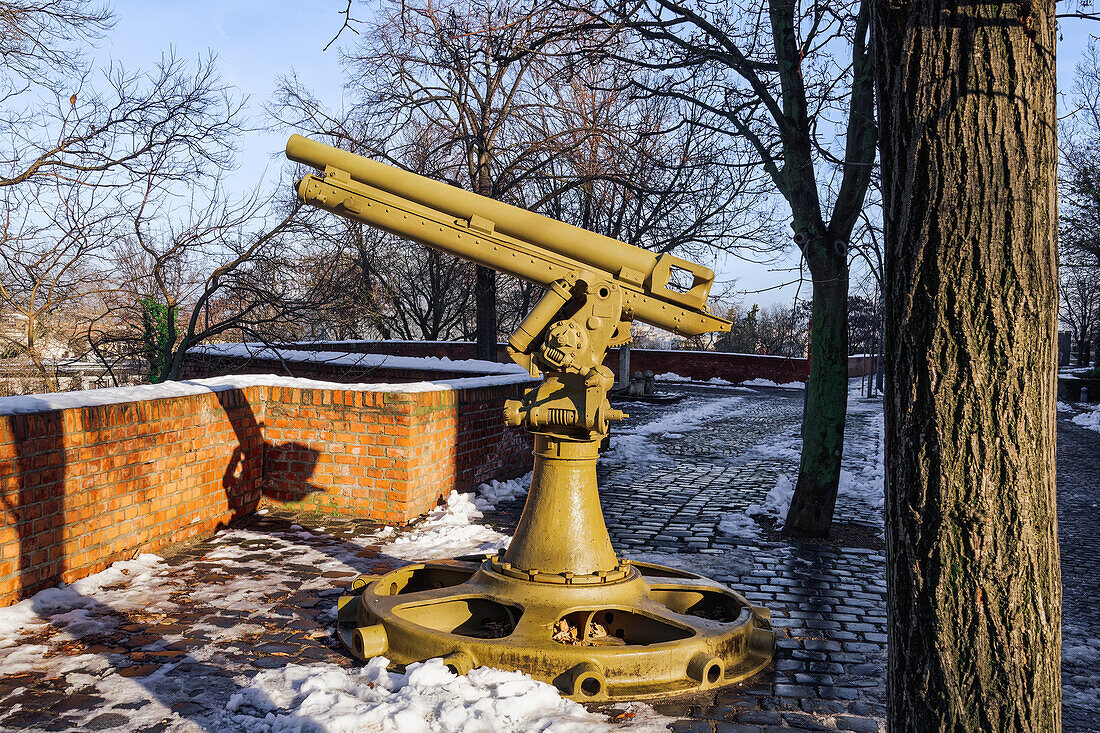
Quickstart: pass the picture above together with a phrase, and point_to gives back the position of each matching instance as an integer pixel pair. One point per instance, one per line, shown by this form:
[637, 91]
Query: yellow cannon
[559, 603]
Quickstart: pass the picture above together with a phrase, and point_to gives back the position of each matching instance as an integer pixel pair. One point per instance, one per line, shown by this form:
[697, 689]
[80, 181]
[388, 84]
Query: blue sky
[256, 41]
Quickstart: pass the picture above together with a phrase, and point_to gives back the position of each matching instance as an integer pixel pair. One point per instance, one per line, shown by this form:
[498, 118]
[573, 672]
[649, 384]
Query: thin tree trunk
[485, 280]
[485, 294]
[967, 114]
[811, 510]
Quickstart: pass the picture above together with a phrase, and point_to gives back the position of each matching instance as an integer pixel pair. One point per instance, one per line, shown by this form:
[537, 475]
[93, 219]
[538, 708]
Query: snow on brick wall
[700, 365]
[315, 362]
[84, 485]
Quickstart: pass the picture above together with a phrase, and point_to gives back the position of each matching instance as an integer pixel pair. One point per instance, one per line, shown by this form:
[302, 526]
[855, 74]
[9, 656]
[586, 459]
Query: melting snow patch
[86, 606]
[428, 697]
[739, 525]
[776, 503]
[453, 529]
[1090, 418]
[495, 492]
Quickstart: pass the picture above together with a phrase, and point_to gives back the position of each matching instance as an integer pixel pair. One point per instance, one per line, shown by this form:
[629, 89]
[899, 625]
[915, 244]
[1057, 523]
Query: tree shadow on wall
[35, 507]
[279, 471]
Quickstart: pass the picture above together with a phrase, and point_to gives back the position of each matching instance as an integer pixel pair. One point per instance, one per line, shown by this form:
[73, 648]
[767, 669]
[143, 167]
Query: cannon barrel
[504, 237]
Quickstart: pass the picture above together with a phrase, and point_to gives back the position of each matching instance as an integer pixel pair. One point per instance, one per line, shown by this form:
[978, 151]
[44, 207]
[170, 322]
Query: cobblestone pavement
[261, 596]
[1079, 540]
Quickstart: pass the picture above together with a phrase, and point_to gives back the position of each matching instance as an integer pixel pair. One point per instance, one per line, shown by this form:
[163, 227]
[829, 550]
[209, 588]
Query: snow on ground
[319, 696]
[453, 529]
[447, 531]
[427, 697]
[489, 495]
[125, 586]
[1090, 418]
[770, 383]
[862, 473]
[631, 444]
[776, 503]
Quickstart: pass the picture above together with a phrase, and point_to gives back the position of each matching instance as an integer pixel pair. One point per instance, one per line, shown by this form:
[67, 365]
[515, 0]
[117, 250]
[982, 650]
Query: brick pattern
[83, 488]
[386, 455]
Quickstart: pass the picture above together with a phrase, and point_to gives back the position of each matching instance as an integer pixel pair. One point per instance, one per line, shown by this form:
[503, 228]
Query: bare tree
[43, 38]
[1079, 291]
[1080, 162]
[53, 267]
[124, 123]
[477, 94]
[458, 68]
[771, 74]
[221, 270]
[69, 167]
[643, 169]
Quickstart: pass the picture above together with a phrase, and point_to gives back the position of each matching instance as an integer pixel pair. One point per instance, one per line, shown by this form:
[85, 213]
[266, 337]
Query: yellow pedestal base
[657, 631]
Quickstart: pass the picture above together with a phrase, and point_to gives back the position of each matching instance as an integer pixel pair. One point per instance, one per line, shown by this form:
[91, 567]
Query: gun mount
[559, 603]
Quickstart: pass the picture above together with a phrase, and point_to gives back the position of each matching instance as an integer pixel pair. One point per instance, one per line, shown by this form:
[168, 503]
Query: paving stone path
[261, 597]
[1079, 540]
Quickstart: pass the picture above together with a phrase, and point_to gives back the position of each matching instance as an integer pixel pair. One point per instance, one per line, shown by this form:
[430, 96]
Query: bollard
[624, 367]
[648, 382]
[1084, 394]
[637, 385]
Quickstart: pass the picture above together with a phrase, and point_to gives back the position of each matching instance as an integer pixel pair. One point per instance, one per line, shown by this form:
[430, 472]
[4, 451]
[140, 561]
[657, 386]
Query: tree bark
[485, 280]
[811, 510]
[485, 293]
[966, 95]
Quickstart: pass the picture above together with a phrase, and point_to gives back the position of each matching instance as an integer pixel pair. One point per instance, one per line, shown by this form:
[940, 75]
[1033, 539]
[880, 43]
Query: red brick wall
[705, 365]
[84, 487]
[387, 455]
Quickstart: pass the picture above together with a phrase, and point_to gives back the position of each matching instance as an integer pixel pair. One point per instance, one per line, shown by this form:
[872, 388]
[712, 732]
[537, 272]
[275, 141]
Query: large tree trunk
[967, 114]
[811, 510]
